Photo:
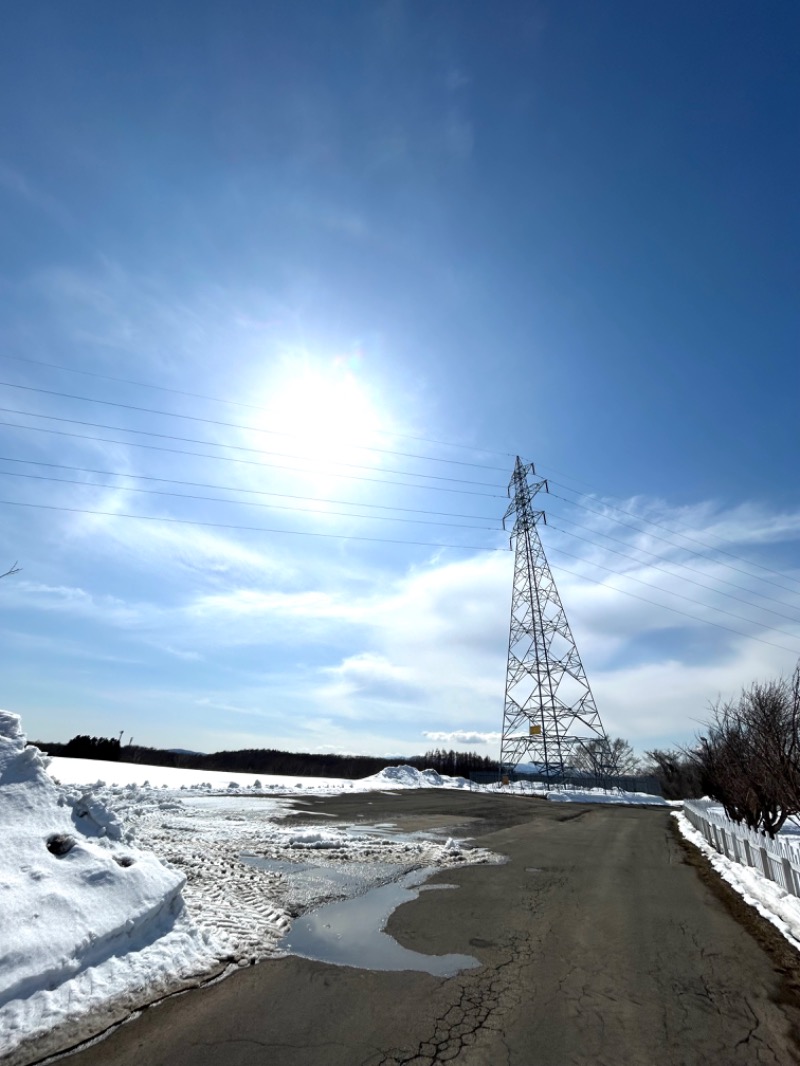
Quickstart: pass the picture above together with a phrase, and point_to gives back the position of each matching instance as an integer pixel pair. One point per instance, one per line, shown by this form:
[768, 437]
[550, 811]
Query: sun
[322, 413]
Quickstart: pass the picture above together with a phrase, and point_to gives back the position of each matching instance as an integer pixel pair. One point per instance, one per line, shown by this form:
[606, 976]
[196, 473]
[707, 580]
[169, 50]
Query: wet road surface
[600, 943]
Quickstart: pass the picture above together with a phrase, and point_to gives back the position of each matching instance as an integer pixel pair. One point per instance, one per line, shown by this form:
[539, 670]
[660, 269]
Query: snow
[121, 883]
[88, 918]
[616, 796]
[769, 899]
[96, 771]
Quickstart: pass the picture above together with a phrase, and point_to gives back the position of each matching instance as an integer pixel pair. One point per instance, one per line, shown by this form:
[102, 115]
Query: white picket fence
[777, 859]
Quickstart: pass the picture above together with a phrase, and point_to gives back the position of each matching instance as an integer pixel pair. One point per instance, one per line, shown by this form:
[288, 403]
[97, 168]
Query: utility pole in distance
[549, 706]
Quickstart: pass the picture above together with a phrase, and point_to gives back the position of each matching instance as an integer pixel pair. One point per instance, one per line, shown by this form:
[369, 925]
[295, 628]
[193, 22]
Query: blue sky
[335, 265]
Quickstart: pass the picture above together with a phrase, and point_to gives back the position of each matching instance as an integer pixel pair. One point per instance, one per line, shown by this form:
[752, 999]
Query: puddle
[394, 834]
[351, 933]
[311, 882]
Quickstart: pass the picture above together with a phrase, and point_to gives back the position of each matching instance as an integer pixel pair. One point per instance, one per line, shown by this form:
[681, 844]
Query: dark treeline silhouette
[86, 747]
[269, 761]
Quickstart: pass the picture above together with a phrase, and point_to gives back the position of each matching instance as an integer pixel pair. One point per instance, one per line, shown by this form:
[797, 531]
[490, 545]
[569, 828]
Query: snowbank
[73, 893]
[78, 900]
[769, 899]
[597, 795]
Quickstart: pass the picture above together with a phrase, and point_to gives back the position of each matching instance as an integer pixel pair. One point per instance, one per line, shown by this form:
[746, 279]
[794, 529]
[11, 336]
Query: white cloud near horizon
[461, 736]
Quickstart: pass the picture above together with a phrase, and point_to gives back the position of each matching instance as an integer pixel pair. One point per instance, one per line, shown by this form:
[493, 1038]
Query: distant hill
[268, 760]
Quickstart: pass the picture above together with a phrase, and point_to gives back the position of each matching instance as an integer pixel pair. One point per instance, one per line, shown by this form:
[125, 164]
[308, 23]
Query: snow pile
[409, 777]
[314, 839]
[80, 905]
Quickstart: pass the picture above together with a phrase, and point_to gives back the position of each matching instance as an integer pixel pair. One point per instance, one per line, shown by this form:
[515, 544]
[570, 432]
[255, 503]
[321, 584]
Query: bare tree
[749, 758]
[677, 773]
[14, 570]
[603, 757]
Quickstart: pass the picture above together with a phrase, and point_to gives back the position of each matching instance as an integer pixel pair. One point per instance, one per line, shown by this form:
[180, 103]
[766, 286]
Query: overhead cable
[236, 488]
[674, 562]
[675, 533]
[230, 458]
[665, 607]
[250, 529]
[248, 429]
[236, 403]
[710, 588]
[701, 555]
[669, 592]
[245, 503]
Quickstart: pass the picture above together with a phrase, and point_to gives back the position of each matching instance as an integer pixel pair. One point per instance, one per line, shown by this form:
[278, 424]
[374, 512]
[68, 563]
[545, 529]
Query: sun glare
[323, 412]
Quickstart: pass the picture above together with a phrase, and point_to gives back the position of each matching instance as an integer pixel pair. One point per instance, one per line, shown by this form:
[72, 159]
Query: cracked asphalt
[603, 940]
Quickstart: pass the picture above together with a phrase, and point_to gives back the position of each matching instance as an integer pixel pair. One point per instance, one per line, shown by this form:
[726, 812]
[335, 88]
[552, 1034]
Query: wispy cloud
[13, 181]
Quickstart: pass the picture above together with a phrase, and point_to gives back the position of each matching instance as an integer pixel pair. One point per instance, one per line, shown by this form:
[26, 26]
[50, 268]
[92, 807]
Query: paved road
[600, 945]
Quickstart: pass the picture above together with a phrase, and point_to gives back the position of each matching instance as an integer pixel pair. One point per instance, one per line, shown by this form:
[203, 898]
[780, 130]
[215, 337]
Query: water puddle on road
[313, 882]
[351, 933]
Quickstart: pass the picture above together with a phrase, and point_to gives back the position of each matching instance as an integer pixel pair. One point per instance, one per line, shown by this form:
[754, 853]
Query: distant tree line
[86, 747]
[268, 760]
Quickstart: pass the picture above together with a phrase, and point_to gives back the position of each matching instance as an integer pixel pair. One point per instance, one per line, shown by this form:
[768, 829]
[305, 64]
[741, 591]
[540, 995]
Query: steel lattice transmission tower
[549, 706]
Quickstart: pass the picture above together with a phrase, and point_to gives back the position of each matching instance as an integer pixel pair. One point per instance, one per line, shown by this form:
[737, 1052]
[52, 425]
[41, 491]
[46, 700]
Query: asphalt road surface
[602, 941]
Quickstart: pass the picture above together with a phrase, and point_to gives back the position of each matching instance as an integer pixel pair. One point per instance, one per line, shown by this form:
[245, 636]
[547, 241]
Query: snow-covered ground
[611, 795]
[121, 883]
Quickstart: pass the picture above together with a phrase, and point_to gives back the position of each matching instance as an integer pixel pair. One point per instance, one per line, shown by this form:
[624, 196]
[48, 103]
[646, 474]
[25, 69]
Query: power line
[223, 458]
[241, 448]
[690, 598]
[665, 607]
[238, 425]
[681, 547]
[244, 503]
[251, 529]
[238, 403]
[188, 496]
[677, 533]
[652, 555]
[594, 494]
[233, 488]
[428, 440]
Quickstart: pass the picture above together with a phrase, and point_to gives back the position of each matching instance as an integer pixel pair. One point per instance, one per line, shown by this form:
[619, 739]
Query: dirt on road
[600, 943]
